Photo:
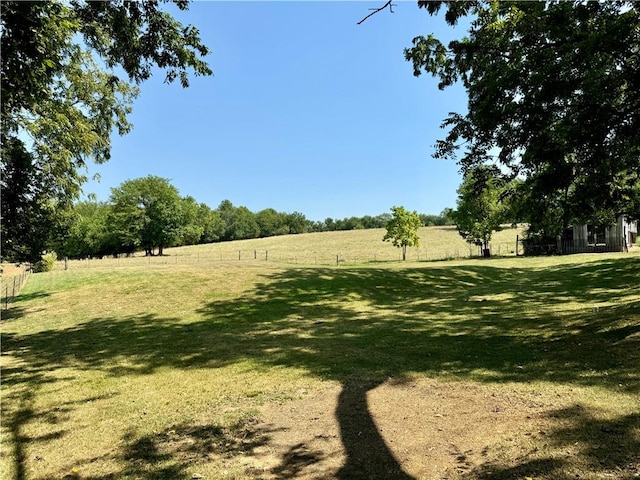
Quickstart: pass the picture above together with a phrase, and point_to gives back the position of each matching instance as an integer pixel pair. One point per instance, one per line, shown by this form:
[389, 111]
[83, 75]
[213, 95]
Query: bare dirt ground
[417, 429]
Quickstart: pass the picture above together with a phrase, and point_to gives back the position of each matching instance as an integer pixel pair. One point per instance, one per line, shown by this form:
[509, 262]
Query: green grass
[353, 247]
[157, 371]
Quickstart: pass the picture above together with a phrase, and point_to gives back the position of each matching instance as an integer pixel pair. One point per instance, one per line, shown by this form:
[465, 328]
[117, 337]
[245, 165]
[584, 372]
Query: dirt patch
[400, 430]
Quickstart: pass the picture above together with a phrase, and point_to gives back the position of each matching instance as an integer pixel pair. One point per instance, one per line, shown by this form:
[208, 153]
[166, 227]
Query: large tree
[554, 95]
[88, 233]
[63, 96]
[480, 209]
[148, 211]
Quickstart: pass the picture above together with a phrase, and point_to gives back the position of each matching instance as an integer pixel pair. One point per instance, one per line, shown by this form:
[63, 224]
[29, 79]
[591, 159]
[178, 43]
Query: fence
[294, 257]
[11, 286]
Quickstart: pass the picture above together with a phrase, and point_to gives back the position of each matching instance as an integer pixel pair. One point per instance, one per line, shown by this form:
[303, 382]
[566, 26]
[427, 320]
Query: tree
[62, 98]
[148, 211]
[554, 93]
[243, 225]
[192, 229]
[227, 211]
[479, 208]
[88, 233]
[297, 222]
[212, 224]
[271, 222]
[402, 229]
[29, 217]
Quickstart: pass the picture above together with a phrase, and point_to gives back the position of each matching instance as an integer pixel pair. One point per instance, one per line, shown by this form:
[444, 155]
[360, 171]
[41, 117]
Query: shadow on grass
[170, 454]
[15, 309]
[361, 326]
[611, 447]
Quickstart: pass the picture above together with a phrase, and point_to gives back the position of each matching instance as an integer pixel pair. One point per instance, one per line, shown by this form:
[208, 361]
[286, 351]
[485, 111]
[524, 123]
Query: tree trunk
[404, 252]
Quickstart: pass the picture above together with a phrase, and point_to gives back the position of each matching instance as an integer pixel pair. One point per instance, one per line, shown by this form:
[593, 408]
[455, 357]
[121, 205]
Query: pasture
[354, 247]
[507, 368]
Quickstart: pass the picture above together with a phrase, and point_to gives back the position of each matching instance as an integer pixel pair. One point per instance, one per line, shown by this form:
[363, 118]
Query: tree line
[553, 104]
[149, 214]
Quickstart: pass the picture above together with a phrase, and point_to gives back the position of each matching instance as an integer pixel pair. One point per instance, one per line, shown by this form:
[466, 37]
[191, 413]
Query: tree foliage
[148, 212]
[62, 99]
[88, 232]
[480, 208]
[554, 94]
[402, 229]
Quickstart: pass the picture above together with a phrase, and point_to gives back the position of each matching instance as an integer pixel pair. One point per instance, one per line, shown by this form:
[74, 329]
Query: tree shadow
[610, 447]
[15, 309]
[24, 411]
[368, 456]
[361, 326]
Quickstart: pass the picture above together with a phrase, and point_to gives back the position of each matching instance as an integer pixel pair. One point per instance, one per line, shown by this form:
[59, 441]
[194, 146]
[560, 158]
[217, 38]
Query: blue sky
[306, 111]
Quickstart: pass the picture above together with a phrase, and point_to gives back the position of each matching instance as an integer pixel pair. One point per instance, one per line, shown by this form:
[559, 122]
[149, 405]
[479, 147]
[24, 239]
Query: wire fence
[281, 257]
[12, 284]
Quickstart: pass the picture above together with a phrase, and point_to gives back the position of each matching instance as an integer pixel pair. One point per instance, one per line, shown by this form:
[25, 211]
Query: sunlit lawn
[98, 364]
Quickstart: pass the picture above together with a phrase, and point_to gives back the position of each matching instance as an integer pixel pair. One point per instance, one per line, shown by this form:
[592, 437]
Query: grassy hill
[328, 248]
[466, 369]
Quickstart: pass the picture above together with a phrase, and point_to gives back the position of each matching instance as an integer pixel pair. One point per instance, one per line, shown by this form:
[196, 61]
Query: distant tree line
[149, 214]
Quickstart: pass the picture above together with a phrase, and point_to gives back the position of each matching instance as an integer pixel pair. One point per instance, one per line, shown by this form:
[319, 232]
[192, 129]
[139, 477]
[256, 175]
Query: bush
[46, 263]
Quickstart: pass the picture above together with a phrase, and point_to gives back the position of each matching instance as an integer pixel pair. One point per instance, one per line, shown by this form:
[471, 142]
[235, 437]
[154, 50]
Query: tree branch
[376, 10]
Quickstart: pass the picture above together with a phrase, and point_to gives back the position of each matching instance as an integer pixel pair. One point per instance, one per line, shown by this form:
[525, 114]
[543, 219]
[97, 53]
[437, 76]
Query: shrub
[46, 263]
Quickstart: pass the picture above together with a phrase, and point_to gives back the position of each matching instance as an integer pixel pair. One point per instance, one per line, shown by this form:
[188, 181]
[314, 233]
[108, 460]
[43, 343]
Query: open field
[508, 368]
[351, 247]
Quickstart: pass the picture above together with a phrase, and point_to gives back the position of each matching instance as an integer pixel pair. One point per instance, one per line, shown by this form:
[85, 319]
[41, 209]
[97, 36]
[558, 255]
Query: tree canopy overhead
[69, 75]
[554, 96]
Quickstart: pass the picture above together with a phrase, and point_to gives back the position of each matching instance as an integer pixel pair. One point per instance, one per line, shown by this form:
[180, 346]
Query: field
[354, 247]
[214, 368]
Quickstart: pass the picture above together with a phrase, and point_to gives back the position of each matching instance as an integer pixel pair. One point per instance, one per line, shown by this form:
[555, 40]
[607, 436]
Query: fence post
[337, 259]
[266, 255]
[255, 254]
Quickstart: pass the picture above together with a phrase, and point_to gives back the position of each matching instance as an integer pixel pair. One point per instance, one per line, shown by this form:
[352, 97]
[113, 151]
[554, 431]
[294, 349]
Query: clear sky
[306, 111]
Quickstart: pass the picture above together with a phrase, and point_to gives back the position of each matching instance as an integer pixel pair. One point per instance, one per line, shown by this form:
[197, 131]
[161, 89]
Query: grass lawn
[489, 369]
